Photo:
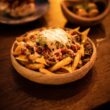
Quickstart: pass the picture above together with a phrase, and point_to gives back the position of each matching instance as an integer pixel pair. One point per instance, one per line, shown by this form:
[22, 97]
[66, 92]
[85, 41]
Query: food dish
[82, 18]
[86, 9]
[19, 12]
[17, 8]
[53, 51]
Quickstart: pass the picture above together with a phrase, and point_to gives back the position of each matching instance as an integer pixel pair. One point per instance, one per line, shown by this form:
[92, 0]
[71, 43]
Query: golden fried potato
[34, 66]
[45, 71]
[76, 60]
[68, 68]
[60, 64]
[84, 35]
[82, 50]
[41, 60]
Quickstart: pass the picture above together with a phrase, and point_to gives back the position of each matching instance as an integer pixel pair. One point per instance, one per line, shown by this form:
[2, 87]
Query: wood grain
[18, 93]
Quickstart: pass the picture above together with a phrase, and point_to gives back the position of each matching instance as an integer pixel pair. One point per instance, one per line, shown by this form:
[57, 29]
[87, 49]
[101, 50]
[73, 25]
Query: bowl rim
[85, 19]
[92, 59]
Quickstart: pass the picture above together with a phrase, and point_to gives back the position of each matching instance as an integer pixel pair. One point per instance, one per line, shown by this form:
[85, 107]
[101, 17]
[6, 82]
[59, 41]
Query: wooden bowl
[54, 79]
[84, 21]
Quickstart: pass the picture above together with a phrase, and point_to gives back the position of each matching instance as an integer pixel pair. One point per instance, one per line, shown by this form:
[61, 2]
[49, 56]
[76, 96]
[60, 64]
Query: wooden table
[17, 93]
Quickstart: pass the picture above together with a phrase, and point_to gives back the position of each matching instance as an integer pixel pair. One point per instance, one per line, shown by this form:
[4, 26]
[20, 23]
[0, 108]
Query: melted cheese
[55, 35]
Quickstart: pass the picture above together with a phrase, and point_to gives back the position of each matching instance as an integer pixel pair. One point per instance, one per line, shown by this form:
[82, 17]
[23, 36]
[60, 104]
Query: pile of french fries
[69, 64]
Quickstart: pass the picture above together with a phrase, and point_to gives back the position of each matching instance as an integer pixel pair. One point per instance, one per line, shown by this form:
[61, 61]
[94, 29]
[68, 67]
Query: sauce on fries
[53, 50]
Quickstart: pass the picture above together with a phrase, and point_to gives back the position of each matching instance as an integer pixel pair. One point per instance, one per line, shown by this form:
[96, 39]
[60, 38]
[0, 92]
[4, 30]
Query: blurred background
[20, 16]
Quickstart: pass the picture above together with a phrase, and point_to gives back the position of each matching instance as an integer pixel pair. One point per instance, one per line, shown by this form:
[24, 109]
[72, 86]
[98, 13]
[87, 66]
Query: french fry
[17, 50]
[82, 50]
[22, 58]
[76, 60]
[60, 64]
[78, 56]
[34, 66]
[45, 71]
[19, 39]
[68, 68]
[76, 29]
[41, 60]
[84, 35]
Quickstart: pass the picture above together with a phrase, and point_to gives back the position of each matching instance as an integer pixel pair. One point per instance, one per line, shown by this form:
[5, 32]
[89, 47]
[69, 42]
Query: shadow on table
[77, 89]
[105, 106]
[12, 30]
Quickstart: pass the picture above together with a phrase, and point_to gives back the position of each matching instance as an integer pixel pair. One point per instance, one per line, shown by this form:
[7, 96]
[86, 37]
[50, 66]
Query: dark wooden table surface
[17, 93]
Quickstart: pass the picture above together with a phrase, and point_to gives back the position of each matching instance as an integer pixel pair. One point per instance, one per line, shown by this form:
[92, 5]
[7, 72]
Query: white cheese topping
[55, 35]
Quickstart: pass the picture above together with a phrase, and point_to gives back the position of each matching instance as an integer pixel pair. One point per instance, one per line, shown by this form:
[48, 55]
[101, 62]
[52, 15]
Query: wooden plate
[54, 79]
[41, 9]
